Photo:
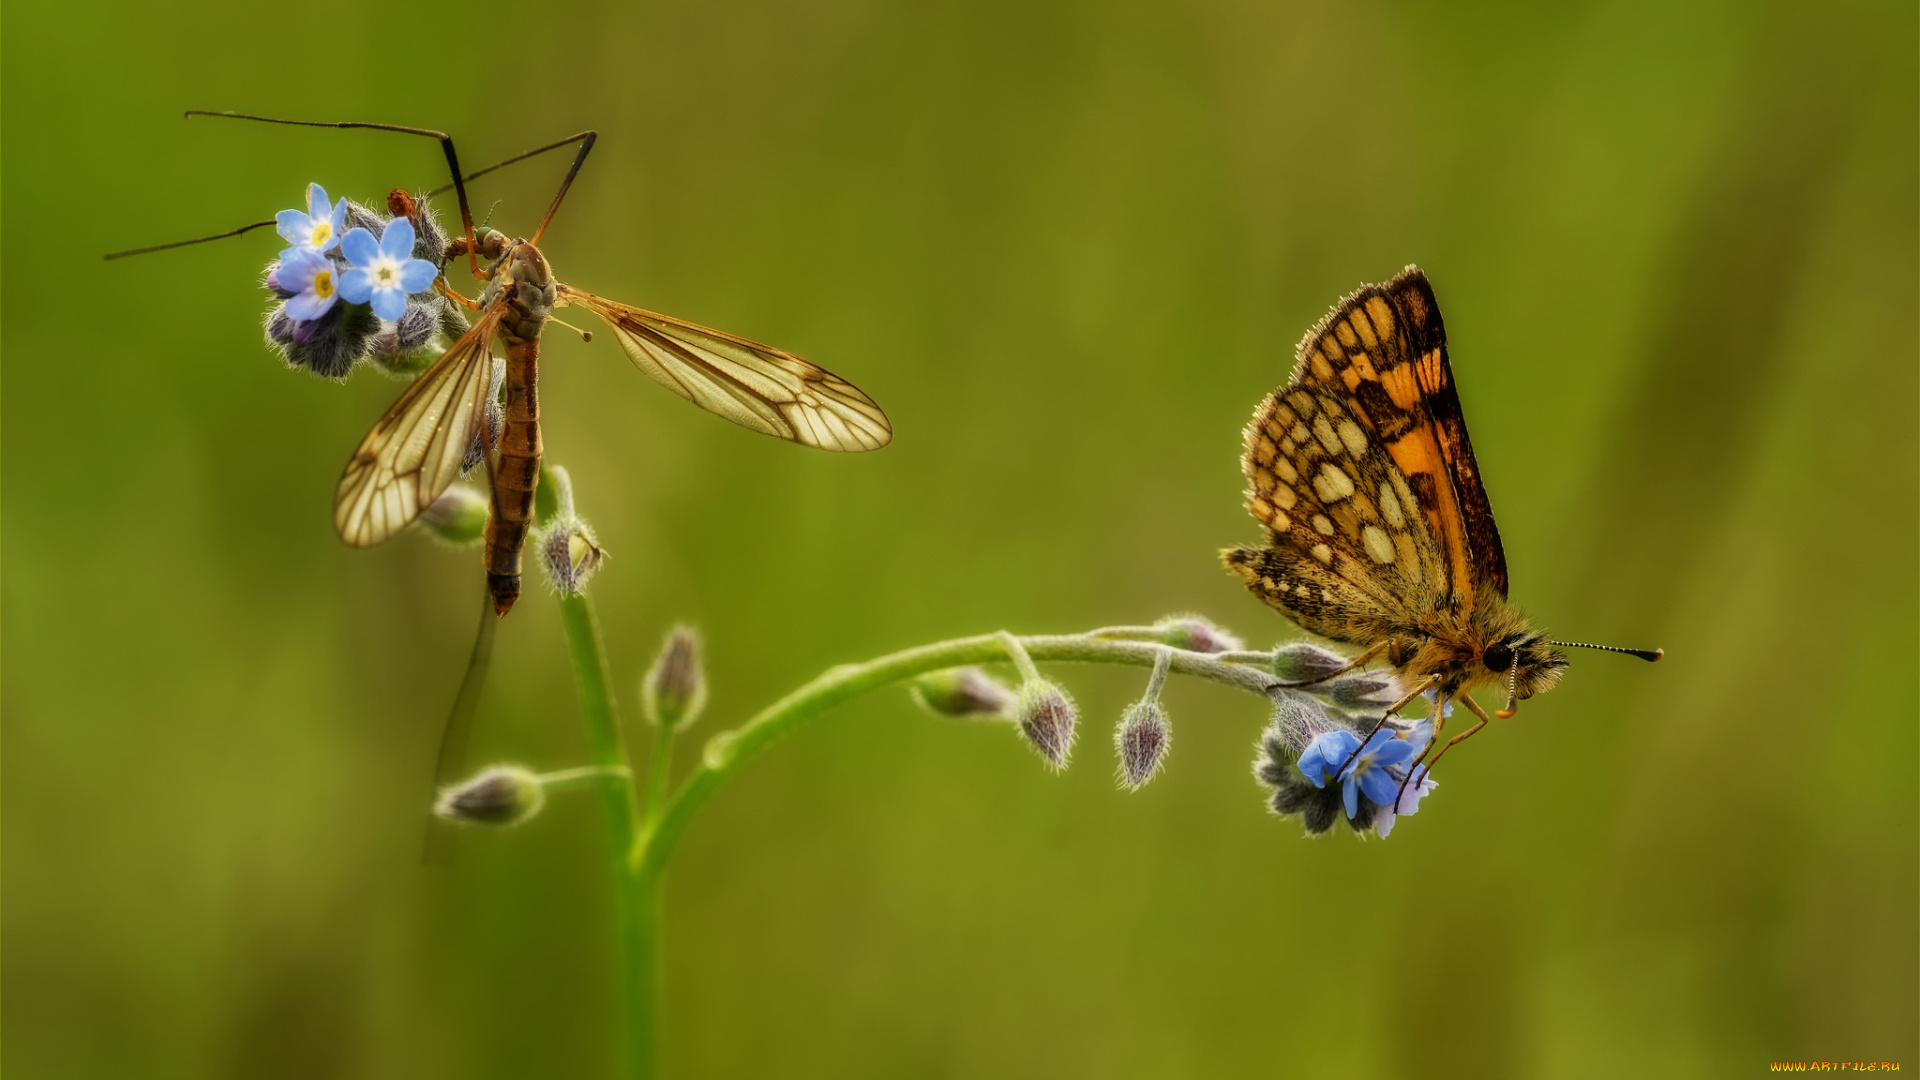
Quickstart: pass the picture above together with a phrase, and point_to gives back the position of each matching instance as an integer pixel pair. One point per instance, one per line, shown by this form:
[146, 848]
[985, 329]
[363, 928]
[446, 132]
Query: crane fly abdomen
[524, 286]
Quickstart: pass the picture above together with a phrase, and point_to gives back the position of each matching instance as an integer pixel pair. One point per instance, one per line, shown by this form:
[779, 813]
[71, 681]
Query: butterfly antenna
[1648, 655]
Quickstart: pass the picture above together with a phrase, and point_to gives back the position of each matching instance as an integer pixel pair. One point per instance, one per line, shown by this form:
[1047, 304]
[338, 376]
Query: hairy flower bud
[414, 341]
[675, 689]
[1141, 741]
[964, 691]
[570, 555]
[459, 516]
[1046, 716]
[1362, 690]
[498, 795]
[1195, 634]
[1302, 662]
[328, 346]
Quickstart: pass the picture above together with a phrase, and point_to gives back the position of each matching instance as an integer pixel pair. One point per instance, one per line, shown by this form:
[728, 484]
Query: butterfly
[1378, 529]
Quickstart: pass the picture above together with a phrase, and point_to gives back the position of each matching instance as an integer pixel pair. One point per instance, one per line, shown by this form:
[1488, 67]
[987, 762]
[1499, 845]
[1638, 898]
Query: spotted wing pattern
[1363, 476]
[756, 386]
[418, 448]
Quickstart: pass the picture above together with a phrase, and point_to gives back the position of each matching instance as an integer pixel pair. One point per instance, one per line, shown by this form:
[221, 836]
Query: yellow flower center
[321, 232]
[386, 275]
[323, 284]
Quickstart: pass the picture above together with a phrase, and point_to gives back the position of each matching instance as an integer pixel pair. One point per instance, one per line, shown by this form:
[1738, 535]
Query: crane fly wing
[756, 386]
[417, 449]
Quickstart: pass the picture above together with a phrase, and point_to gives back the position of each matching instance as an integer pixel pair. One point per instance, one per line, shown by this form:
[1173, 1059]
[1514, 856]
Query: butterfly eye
[1498, 656]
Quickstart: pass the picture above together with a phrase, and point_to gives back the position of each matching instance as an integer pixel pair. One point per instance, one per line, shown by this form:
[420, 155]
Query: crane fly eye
[1498, 656]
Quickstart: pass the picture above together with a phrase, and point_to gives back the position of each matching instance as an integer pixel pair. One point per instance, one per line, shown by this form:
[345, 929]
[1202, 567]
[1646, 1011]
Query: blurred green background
[1068, 246]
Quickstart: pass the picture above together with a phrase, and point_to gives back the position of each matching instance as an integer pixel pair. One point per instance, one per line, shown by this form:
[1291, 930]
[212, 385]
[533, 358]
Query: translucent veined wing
[753, 385]
[417, 449]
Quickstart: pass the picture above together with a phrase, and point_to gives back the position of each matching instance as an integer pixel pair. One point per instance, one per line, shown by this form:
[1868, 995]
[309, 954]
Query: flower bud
[459, 516]
[964, 691]
[498, 795]
[1046, 717]
[1362, 690]
[1304, 662]
[413, 342]
[1141, 741]
[675, 689]
[328, 346]
[1195, 634]
[570, 555]
[1298, 720]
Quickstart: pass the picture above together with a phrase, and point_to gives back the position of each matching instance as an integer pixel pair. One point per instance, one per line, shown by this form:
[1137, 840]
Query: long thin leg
[1419, 688]
[446, 146]
[184, 243]
[1414, 769]
[453, 737]
[586, 146]
[441, 190]
[477, 173]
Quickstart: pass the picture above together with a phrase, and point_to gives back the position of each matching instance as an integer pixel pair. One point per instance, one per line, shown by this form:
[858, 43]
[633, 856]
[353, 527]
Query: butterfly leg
[1423, 773]
[1419, 688]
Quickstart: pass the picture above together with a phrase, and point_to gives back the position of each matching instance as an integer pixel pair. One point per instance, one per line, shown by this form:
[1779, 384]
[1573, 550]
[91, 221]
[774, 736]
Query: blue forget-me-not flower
[383, 272]
[1366, 773]
[318, 229]
[311, 279]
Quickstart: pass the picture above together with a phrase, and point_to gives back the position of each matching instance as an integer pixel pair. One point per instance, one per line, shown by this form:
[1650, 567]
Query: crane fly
[424, 442]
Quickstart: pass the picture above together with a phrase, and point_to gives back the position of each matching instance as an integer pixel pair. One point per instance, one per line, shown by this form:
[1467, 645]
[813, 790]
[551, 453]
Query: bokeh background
[1069, 246]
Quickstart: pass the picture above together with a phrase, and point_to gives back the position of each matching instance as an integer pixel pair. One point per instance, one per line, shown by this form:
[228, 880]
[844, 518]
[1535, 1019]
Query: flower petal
[293, 226]
[1383, 822]
[1378, 785]
[417, 274]
[397, 242]
[1421, 735]
[389, 304]
[360, 248]
[1313, 763]
[318, 208]
[309, 306]
[1396, 752]
[1351, 794]
[356, 285]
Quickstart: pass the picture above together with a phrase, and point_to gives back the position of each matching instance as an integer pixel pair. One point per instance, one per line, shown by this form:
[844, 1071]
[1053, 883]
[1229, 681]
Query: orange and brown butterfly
[1379, 533]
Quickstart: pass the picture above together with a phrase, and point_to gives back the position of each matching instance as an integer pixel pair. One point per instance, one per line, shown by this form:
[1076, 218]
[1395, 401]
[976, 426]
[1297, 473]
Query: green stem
[726, 752]
[637, 913]
[658, 769]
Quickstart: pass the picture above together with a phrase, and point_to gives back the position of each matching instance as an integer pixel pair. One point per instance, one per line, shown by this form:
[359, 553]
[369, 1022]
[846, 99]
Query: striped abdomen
[516, 475]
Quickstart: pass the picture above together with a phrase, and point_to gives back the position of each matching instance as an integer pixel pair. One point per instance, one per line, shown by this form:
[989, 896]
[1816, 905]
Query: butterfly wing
[756, 386]
[1362, 473]
[418, 448]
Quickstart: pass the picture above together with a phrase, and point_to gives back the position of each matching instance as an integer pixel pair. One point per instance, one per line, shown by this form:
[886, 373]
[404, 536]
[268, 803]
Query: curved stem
[726, 752]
